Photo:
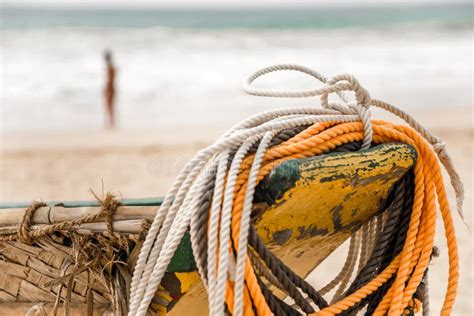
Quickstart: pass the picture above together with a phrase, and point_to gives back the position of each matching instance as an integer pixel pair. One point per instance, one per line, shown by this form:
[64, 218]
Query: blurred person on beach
[109, 90]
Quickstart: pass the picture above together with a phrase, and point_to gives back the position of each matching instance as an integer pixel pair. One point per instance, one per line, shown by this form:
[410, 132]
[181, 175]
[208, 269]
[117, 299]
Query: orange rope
[413, 260]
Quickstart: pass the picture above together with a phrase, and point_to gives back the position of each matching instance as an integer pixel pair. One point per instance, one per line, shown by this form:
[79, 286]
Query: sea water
[181, 67]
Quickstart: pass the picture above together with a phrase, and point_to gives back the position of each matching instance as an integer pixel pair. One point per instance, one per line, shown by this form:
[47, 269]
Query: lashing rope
[245, 154]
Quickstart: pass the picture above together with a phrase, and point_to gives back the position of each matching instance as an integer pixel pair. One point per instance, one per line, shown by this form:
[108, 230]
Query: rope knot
[348, 82]
[109, 205]
[337, 84]
[24, 234]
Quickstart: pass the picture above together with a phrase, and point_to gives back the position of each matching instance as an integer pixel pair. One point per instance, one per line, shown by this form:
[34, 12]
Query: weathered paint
[175, 285]
[187, 280]
[304, 218]
[333, 196]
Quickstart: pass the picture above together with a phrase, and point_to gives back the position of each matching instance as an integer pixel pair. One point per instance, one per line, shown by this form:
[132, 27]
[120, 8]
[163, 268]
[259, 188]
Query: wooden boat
[304, 210]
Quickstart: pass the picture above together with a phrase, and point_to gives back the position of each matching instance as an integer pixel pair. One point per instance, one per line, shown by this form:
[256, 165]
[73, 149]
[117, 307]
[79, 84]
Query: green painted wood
[183, 259]
[128, 202]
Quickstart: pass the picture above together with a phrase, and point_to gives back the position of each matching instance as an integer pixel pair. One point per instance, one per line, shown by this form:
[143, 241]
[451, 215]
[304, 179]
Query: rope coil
[233, 166]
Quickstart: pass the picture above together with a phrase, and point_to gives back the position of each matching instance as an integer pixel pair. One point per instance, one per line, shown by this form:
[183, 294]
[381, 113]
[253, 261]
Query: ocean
[187, 66]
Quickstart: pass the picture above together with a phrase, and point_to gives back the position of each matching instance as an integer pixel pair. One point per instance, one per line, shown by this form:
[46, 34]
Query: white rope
[137, 286]
[245, 223]
[169, 244]
[181, 204]
[213, 227]
[217, 308]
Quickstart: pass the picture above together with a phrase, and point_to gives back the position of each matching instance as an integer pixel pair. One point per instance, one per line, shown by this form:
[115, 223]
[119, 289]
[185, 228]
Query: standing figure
[109, 90]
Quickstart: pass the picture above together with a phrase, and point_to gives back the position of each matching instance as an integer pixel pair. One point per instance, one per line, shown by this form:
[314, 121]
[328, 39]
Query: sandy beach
[143, 163]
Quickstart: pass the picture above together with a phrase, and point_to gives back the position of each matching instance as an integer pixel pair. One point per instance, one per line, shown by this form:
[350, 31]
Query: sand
[143, 163]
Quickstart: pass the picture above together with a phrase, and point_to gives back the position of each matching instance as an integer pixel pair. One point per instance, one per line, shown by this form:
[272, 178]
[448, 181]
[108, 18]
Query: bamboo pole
[134, 226]
[57, 214]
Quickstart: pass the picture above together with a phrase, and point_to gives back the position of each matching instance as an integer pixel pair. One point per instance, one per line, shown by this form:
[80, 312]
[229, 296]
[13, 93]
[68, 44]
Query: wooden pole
[57, 214]
[133, 226]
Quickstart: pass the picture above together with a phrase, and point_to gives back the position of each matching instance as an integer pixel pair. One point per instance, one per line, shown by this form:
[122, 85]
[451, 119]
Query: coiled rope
[233, 166]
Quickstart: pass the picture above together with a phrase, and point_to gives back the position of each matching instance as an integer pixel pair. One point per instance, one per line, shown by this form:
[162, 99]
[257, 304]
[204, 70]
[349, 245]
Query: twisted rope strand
[241, 245]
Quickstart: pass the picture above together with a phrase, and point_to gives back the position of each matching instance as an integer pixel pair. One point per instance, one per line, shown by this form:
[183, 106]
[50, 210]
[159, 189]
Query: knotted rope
[24, 234]
[100, 255]
[109, 205]
[245, 154]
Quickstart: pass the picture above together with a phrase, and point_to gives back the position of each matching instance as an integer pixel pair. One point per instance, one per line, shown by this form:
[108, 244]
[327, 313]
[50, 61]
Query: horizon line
[275, 5]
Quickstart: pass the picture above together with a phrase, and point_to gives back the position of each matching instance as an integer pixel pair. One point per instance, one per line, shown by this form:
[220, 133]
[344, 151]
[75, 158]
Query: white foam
[52, 78]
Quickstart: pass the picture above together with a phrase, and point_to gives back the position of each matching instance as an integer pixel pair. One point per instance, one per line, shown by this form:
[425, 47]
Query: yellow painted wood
[187, 280]
[333, 195]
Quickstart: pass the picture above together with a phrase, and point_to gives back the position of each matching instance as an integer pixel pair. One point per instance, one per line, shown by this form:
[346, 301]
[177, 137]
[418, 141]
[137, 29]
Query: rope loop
[24, 234]
[283, 93]
[337, 84]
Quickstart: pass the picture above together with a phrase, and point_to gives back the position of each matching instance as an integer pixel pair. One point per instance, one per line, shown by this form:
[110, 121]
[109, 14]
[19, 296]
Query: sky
[208, 3]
